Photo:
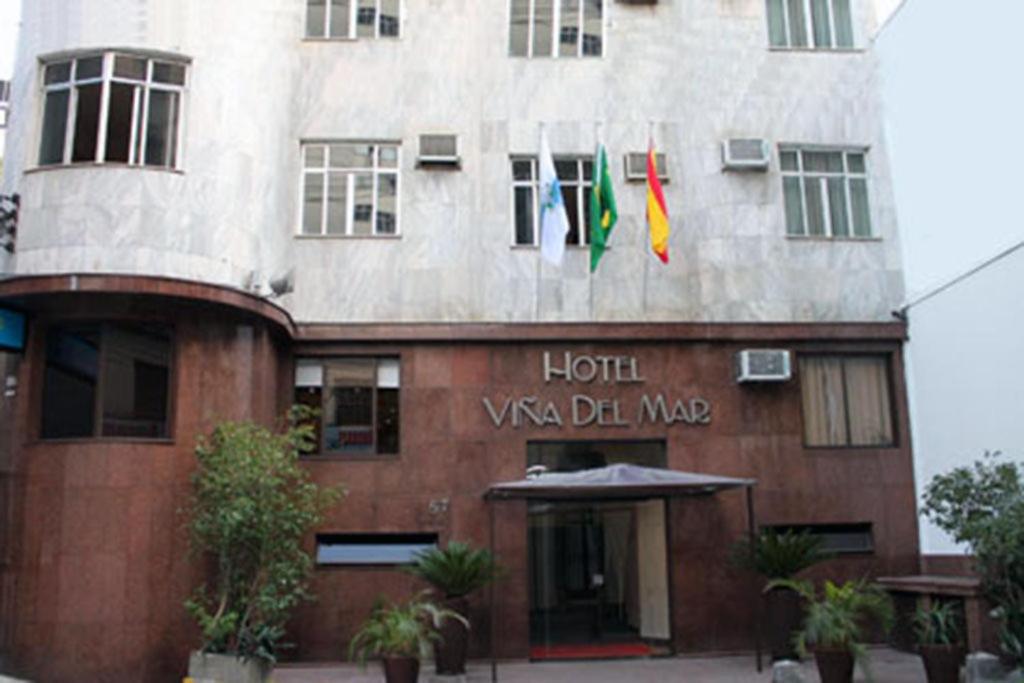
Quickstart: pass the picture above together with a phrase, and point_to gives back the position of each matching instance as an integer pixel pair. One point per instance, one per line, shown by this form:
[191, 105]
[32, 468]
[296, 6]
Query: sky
[955, 126]
[10, 11]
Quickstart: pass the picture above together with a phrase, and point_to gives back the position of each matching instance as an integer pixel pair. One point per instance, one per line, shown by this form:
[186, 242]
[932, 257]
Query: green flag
[603, 213]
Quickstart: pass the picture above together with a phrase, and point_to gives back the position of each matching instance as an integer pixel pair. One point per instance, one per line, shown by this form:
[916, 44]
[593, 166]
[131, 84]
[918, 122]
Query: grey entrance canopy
[617, 481]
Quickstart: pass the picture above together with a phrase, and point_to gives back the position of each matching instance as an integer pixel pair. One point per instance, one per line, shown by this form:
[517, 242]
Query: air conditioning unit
[439, 151]
[763, 365]
[636, 167]
[745, 154]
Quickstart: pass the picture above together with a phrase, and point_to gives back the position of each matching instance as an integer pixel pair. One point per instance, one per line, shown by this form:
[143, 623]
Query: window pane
[87, 119]
[312, 204]
[162, 129]
[315, 17]
[815, 206]
[567, 170]
[519, 28]
[119, 122]
[844, 23]
[366, 19]
[861, 210]
[351, 156]
[311, 397]
[586, 214]
[837, 207]
[315, 156]
[173, 74]
[89, 67]
[822, 23]
[592, 27]
[387, 156]
[57, 73]
[824, 407]
[362, 218]
[543, 18]
[522, 170]
[797, 24]
[136, 381]
[55, 121]
[571, 210]
[524, 215]
[341, 18]
[70, 383]
[794, 206]
[867, 400]
[337, 203]
[130, 67]
[856, 163]
[569, 30]
[823, 162]
[348, 408]
[387, 204]
[776, 23]
[371, 549]
[387, 420]
[389, 18]
[788, 161]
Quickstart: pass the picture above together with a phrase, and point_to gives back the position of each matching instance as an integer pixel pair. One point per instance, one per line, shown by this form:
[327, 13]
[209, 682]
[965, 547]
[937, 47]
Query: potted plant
[938, 636]
[400, 634]
[250, 508]
[834, 626]
[777, 557]
[455, 571]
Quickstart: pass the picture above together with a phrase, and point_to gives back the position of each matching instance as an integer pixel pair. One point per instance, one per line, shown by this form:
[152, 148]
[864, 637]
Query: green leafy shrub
[250, 507]
[938, 624]
[775, 555]
[400, 629]
[456, 570]
[983, 506]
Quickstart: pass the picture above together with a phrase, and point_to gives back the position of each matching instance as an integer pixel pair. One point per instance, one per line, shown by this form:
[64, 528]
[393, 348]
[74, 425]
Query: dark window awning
[616, 482]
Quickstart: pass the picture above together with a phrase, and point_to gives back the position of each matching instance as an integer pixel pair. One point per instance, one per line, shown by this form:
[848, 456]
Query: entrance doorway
[598, 569]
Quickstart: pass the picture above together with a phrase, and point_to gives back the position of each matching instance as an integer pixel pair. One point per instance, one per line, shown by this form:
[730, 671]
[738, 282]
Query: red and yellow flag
[657, 212]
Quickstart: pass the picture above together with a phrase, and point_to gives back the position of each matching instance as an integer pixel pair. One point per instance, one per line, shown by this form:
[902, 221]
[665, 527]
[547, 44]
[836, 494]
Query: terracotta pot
[834, 666]
[450, 651]
[942, 662]
[783, 614]
[401, 669]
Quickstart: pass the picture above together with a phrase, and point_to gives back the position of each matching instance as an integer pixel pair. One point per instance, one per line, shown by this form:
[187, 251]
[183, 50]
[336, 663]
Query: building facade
[230, 207]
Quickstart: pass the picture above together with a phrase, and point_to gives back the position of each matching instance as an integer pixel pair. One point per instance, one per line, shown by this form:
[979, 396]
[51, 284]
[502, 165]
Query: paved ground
[888, 666]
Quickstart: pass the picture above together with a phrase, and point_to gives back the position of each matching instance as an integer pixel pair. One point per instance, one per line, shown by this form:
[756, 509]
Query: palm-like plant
[400, 629]
[776, 555]
[938, 624]
[455, 571]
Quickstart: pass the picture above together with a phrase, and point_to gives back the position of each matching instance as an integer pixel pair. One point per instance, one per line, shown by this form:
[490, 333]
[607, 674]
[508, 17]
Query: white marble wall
[700, 69]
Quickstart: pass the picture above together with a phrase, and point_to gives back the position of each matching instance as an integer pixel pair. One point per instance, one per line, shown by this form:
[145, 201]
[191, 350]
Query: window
[357, 400]
[352, 18]
[826, 193]
[112, 108]
[369, 549]
[108, 380]
[846, 400]
[350, 189]
[817, 24]
[556, 28]
[840, 539]
[5, 102]
[575, 175]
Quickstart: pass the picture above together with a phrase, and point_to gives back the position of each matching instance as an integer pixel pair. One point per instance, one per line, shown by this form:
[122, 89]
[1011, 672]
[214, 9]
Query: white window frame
[582, 186]
[809, 27]
[140, 105]
[351, 171]
[822, 178]
[556, 30]
[353, 24]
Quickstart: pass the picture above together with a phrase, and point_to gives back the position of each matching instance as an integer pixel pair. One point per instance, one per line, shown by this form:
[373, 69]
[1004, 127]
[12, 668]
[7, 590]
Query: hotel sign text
[583, 409]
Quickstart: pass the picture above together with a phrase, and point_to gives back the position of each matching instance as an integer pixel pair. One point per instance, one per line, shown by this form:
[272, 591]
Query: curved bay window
[112, 107]
[106, 380]
[357, 403]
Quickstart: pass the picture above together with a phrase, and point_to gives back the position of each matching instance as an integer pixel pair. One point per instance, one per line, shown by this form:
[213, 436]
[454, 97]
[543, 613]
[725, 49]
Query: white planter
[210, 668]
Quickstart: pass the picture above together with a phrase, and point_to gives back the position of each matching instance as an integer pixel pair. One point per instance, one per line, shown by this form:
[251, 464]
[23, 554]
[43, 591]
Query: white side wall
[965, 371]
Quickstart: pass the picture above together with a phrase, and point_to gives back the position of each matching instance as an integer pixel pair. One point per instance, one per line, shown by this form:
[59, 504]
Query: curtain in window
[867, 392]
[821, 381]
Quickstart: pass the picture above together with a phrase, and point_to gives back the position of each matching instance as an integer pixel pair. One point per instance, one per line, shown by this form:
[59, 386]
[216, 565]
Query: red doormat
[597, 651]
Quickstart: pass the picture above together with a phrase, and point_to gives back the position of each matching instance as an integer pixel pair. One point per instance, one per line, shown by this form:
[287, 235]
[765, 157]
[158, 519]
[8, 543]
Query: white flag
[554, 223]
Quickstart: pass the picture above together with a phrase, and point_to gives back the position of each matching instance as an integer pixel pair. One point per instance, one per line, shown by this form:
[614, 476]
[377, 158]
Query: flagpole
[647, 257]
[590, 269]
[539, 217]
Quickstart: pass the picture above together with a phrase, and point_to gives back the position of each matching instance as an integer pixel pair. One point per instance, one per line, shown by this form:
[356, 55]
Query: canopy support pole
[494, 658]
[752, 532]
